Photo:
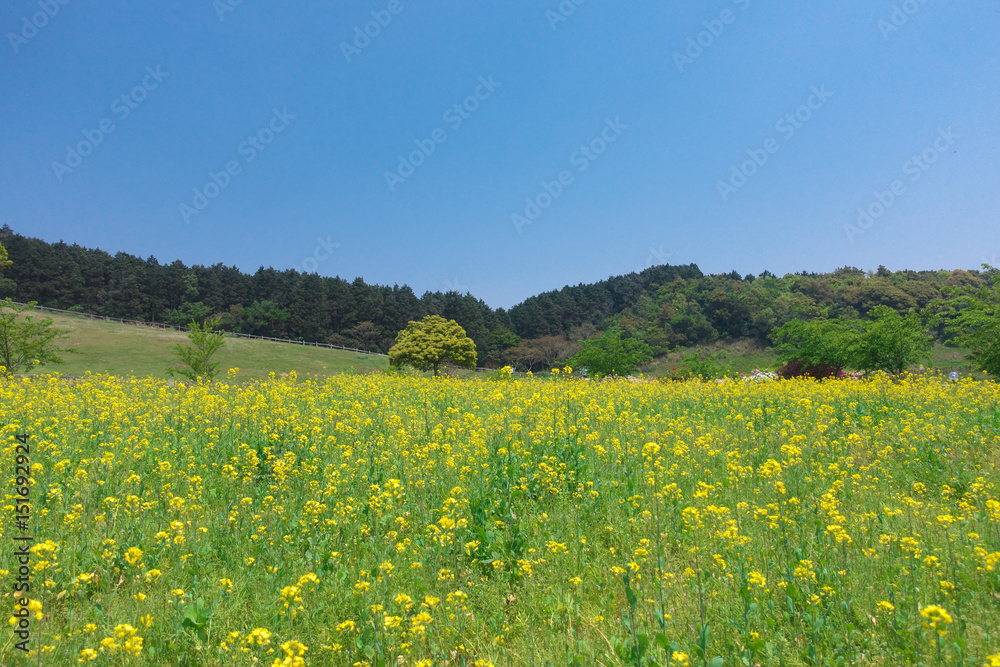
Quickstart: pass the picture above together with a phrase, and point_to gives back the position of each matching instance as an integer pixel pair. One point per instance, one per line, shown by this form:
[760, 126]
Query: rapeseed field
[384, 520]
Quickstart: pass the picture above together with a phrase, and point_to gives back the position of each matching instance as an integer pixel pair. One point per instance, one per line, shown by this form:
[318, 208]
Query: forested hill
[667, 306]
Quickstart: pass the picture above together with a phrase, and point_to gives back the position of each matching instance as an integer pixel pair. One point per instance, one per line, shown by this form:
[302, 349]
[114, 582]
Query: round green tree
[611, 354]
[432, 341]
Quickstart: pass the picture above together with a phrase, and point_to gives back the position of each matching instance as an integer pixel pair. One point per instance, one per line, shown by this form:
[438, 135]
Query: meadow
[380, 520]
[130, 350]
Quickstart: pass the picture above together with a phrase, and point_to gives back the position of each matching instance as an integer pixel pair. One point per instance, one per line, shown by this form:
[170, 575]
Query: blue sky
[590, 139]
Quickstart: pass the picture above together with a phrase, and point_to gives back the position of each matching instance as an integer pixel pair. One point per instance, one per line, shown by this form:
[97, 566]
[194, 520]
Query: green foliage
[6, 285]
[817, 344]
[824, 348]
[976, 320]
[665, 306]
[198, 356]
[264, 317]
[505, 374]
[892, 342]
[500, 340]
[612, 355]
[188, 312]
[197, 618]
[427, 344]
[24, 341]
[707, 368]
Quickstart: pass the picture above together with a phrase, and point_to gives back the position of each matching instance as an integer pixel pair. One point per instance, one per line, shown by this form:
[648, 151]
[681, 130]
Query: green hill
[126, 349]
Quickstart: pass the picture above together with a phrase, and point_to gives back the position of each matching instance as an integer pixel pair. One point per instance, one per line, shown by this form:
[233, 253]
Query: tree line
[664, 307]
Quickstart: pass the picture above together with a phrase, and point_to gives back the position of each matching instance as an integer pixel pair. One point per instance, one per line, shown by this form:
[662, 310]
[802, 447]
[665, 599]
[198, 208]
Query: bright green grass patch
[125, 349]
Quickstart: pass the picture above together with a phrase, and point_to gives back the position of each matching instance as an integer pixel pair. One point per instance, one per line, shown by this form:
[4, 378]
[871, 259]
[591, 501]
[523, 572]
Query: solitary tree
[427, 344]
[24, 341]
[817, 348]
[892, 342]
[611, 354]
[197, 356]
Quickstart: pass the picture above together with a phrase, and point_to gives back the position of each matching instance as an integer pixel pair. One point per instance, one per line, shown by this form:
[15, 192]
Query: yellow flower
[133, 556]
[259, 636]
[936, 616]
[294, 650]
[89, 655]
[804, 571]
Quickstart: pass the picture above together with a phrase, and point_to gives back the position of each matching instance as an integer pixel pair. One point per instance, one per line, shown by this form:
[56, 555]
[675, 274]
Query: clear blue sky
[895, 80]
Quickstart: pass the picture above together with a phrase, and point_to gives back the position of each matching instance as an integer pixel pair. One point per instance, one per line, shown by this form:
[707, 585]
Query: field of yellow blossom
[378, 520]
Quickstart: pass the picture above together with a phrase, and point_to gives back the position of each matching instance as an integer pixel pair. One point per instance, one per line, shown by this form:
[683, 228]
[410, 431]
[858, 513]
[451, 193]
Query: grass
[124, 350]
[130, 350]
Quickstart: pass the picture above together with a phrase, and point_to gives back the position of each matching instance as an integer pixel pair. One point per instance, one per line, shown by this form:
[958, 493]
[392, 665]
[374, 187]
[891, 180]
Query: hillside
[668, 307]
[124, 349]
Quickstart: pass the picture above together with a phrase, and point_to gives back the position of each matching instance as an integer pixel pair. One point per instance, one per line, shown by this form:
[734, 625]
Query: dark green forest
[666, 306]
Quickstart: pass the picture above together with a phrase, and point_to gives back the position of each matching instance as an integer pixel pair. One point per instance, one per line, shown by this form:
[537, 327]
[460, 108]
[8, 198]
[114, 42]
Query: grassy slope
[123, 349]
